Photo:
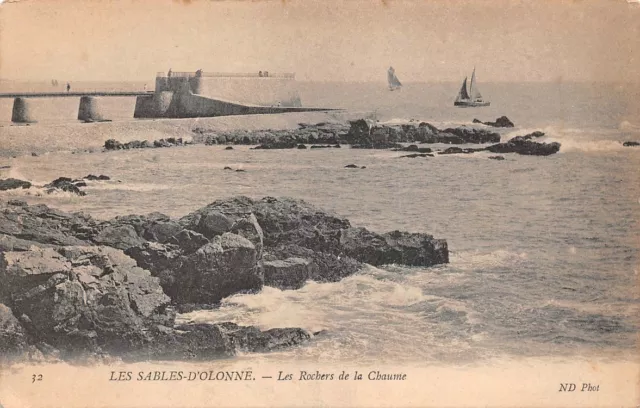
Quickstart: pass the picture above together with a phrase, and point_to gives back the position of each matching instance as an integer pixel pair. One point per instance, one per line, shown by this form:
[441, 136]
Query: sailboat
[394, 83]
[472, 98]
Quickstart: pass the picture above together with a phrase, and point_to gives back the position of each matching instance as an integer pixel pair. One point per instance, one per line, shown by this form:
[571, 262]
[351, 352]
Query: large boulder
[290, 273]
[83, 299]
[39, 223]
[325, 266]
[11, 184]
[14, 340]
[223, 267]
[394, 248]
[523, 145]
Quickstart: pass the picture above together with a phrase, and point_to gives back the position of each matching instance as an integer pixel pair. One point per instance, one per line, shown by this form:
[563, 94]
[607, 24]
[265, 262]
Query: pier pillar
[21, 111]
[156, 106]
[89, 109]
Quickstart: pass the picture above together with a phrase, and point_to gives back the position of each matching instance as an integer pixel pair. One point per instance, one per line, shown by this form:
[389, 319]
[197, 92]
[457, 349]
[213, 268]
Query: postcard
[304, 203]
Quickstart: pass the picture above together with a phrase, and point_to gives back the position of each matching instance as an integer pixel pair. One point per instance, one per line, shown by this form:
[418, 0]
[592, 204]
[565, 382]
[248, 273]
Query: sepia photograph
[305, 203]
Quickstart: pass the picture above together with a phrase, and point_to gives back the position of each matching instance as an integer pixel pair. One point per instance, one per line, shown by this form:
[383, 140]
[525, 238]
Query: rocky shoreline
[360, 134]
[78, 289]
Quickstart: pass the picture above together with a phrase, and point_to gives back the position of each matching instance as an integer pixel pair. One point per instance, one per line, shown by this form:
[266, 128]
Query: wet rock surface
[78, 288]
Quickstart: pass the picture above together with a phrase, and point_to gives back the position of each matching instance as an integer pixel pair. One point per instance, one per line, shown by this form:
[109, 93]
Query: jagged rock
[414, 148]
[40, 223]
[119, 236]
[249, 228]
[64, 184]
[351, 166]
[458, 150]
[290, 273]
[226, 265]
[413, 156]
[227, 168]
[301, 146]
[228, 148]
[251, 339]
[522, 145]
[463, 134]
[326, 267]
[502, 121]
[83, 299]
[631, 144]
[11, 184]
[282, 144]
[393, 248]
[496, 157]
[14, 340]
[188, 241]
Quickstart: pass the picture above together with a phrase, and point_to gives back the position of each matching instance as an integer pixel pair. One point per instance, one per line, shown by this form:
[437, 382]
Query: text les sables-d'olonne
[302, 375]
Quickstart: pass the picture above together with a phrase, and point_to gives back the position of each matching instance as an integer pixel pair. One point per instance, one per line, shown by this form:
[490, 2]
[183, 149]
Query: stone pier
[22, 111]
[89, 110]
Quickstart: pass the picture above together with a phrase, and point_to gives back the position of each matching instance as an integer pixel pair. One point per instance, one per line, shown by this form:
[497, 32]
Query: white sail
[473, 90]
[394, 82]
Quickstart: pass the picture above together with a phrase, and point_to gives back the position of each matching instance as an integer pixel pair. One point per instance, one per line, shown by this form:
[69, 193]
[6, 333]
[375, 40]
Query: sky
[333, 40]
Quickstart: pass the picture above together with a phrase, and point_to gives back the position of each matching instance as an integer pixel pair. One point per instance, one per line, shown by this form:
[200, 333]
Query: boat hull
[463, 104]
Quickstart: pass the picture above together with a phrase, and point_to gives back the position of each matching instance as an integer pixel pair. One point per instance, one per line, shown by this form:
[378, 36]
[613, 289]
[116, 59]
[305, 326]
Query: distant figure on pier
[68, 87]
[260, 74]
[169, 73]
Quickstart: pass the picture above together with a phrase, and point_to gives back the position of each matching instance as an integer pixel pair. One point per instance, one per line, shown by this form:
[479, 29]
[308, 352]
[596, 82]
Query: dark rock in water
[283, 144]
[11, 183]
[326, 266]
[227, 168]
[112, 144]
[351, 166]
[413, 156]
[414, 148]
[64, 184]
[461, 135]
[529, 136]
[363, 167]
[240, 170]
[34, 154]
[228, 148]
[393, 248]
[226, 265]
[83, 299]
[80, 184]
[301, 146]
[100, 177]
[502, 121]
[522, 145]
[251, 339]
[290, 273]
[496, 157]
[458, 150]
[631, 144]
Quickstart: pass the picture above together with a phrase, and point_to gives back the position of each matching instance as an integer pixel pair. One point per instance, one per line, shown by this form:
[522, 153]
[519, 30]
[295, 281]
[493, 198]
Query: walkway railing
[264, 74]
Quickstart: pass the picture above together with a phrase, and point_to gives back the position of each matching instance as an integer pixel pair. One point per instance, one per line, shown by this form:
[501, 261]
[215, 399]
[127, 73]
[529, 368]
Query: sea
[544, 251]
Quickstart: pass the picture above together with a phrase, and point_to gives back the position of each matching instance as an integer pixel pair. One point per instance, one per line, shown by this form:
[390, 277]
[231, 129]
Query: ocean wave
[480, 260]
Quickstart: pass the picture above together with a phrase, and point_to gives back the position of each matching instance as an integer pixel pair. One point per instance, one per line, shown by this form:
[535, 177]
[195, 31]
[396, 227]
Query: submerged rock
[522, 145]
[64, 184]
[496, 157]
[631, 144]
[502, 121]
[290, 273]
[11, 184]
